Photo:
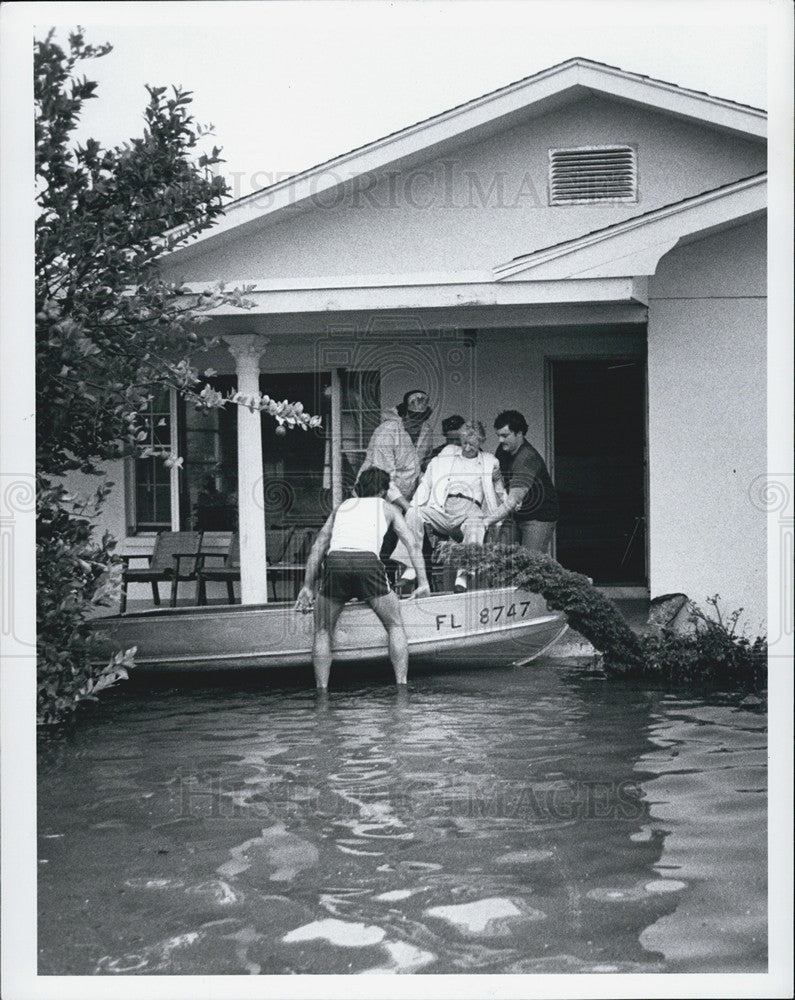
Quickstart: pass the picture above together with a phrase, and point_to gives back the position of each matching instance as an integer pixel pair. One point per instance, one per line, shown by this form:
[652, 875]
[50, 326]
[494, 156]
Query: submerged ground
[538, 819]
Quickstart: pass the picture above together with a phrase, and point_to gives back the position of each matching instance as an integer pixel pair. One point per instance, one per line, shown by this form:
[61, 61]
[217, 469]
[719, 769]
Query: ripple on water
[396, 895]
[617, 894]
[404, 958]
[491, 917]
[155, 958]
[529, 857]
[154, 883]
[638, 891]
[340, 933]
[276, 854]
[218, 890]
[664, 885]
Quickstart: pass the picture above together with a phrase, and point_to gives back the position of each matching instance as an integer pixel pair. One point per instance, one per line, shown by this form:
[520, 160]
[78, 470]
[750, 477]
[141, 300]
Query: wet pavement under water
[506, 820]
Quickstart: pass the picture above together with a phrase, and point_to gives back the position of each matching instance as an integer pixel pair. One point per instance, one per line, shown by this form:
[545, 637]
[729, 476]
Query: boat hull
[503, 625]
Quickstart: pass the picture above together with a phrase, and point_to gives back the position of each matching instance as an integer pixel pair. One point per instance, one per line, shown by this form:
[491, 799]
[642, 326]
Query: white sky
[290, 84]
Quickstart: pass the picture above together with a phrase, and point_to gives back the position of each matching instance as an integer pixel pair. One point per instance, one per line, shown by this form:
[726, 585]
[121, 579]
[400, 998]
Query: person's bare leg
[473, 531]
[388, 610]
[415, 522]
[326, 614]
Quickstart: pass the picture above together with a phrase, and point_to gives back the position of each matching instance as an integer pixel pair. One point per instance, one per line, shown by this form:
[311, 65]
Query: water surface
[536, 819]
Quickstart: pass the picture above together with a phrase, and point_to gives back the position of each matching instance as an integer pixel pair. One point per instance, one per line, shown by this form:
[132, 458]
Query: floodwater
[508, 820]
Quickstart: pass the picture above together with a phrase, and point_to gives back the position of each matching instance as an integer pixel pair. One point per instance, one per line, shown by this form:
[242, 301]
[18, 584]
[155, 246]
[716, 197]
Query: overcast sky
[288, 85]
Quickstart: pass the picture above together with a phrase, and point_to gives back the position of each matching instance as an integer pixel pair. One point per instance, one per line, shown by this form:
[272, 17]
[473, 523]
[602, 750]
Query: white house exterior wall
[445, 216]
[707, 421]
[511, 370]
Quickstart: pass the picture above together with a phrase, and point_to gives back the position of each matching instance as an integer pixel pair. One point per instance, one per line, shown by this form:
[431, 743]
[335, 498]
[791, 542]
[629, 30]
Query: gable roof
[634, 246]
[476, 119]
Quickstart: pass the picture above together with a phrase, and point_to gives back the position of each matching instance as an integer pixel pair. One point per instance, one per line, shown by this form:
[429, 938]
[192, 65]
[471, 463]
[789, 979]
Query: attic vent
[592, 174]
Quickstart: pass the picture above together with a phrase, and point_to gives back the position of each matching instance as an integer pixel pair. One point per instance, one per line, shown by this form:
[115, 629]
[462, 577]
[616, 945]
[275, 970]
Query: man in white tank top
[347, 547]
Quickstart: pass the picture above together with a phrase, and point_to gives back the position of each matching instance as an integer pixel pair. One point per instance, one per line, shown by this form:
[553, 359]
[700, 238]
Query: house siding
[707, 421]
[480, 205]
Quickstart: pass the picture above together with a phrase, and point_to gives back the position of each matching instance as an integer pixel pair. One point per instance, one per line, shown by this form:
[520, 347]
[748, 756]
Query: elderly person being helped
[457, 492]
[350, 541]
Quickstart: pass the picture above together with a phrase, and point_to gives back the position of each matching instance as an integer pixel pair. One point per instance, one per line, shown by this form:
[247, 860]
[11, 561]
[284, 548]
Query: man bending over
[350, 541]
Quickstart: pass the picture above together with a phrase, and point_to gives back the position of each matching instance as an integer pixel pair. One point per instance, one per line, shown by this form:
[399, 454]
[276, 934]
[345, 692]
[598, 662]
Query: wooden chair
[227, 573]
[173, 558]
[290, 555]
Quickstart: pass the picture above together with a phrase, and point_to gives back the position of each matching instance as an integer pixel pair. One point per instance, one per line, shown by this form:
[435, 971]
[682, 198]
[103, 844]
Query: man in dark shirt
[532, 502]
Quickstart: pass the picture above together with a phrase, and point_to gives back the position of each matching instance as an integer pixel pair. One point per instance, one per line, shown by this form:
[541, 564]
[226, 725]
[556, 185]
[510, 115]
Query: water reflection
[524, 820]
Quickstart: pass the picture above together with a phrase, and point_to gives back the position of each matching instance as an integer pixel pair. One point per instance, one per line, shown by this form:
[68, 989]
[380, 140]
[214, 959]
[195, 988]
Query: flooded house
[586, 245]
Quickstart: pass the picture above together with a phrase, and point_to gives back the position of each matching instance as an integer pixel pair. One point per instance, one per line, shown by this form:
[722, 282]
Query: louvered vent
[592, 174]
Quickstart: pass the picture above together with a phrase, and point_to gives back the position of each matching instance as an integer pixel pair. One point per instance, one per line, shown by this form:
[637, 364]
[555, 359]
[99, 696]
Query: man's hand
[305, 601]
[423, 590]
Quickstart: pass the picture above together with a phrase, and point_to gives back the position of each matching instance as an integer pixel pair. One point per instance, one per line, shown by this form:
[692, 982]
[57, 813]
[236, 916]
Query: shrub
[711, 652]
[73, 578]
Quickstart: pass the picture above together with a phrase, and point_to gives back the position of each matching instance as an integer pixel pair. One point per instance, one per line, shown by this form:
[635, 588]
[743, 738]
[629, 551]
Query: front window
[297, 487]
[153, 509]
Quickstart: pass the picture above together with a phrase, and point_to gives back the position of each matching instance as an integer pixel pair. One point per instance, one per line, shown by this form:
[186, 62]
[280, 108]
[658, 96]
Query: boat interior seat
[174, 558]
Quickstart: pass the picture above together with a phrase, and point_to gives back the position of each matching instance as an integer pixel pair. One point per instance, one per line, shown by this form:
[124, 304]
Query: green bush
[710, 652]
[74, 576]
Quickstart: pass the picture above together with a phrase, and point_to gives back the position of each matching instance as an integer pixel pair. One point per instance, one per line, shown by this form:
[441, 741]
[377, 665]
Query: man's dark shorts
[353, 574]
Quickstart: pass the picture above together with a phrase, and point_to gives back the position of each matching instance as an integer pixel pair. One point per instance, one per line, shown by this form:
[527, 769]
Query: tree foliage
[109, 330]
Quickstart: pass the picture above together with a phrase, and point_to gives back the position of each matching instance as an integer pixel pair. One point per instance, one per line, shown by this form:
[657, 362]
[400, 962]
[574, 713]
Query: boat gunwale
[211, 610]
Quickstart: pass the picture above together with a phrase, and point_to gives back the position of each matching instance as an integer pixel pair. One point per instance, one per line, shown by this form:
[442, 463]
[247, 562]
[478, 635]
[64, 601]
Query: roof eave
[635, 246]
[539, 92]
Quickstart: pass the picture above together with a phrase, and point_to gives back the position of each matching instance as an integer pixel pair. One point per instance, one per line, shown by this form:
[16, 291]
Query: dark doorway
[599, 434]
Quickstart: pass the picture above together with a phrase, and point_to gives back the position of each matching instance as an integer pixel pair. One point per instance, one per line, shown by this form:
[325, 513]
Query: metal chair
[173, 558]
[228, 572]
[289, 563]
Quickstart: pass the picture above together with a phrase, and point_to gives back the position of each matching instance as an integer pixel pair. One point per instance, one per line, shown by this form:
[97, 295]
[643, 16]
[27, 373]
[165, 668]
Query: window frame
[130, 475]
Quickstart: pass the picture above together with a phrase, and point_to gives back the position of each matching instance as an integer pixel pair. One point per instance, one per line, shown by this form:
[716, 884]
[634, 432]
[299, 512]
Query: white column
[246, 350]
[336, 437]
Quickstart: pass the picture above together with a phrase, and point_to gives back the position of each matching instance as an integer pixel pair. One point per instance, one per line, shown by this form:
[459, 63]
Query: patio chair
[173, 558]
[291, 553]
[228, 572]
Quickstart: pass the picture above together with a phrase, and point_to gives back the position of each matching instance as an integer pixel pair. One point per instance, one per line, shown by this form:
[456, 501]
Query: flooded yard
[537, 819]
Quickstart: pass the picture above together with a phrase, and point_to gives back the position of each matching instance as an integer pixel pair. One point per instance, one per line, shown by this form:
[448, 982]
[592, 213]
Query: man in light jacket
[460, 487]
[399, 444]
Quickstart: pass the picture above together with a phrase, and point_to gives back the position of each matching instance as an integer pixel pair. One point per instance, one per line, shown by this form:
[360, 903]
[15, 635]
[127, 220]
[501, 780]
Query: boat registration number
[492, 615]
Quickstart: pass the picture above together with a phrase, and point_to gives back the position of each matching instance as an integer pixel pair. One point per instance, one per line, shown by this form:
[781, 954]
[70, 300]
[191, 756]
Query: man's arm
[423, 492]
[497, 480]
[514, 499]
[398, 522]
[381, 453]
[319, 549]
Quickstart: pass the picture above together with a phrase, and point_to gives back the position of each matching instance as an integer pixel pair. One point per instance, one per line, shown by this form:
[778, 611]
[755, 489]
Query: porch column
[246, 351]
